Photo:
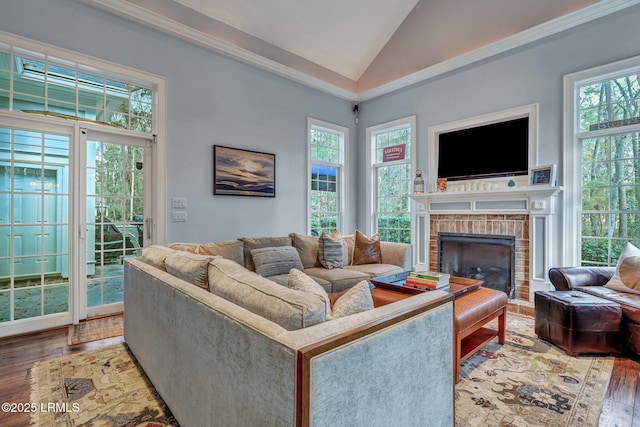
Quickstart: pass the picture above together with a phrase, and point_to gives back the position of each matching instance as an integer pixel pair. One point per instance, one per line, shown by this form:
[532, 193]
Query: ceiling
[358, 49]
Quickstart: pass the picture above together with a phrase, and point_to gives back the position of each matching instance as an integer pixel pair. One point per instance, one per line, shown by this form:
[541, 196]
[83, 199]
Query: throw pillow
[307, 247]
[627, 276]
[190, 267]
[355, 300]
[230, 249]
[330, 250]
[155, 255]
[301, 282]
[275, 260]
[367, 249]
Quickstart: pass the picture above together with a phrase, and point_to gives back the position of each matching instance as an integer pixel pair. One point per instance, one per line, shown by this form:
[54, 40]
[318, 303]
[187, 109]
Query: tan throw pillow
[187, 247]
[301, 282]
[367, 249]
[230, 249]
[275, 260]
[330, 250]
[190, 267]
[307, 247]
[155, 255]
[353, 301]
[627, 276]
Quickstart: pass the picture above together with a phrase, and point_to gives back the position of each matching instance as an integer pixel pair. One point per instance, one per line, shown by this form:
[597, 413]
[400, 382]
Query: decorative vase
[418, 183]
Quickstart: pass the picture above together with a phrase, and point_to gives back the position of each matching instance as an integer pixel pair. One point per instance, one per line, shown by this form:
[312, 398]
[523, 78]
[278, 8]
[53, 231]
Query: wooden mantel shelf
[530, 200]
[543, 191]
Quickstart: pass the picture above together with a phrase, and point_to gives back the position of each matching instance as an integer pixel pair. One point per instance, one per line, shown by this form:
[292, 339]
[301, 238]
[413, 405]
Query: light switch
[179, 203]
[179, 216]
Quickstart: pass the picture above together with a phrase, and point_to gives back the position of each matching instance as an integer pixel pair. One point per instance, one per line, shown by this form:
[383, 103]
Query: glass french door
[115, 210]
[73, 205]
[34, 227]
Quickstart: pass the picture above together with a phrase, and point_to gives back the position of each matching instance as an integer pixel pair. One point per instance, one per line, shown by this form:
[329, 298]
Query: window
[327, 144]
[76, 196]
[604, 111]
[390, 152]
[27, 84]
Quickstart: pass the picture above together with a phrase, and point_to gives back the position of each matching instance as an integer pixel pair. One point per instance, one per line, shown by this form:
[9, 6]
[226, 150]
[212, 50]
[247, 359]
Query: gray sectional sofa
[224, 346]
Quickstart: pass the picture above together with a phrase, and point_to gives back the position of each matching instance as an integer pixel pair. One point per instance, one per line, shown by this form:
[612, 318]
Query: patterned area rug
[529, 382]
[102, 387]
[95, 329]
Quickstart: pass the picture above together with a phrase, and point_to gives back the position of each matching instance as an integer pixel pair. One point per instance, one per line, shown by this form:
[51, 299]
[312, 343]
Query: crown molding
[137, 14]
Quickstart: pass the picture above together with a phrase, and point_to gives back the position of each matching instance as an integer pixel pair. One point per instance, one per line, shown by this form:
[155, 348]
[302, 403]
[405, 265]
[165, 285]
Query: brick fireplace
[524, 212]
[487, 224]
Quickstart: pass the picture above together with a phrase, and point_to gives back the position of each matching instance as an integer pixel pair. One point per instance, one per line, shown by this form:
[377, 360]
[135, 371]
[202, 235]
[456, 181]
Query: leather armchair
[566, 278]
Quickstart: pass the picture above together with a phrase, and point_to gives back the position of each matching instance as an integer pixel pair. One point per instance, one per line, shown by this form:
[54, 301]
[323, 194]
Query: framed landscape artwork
[239, 172]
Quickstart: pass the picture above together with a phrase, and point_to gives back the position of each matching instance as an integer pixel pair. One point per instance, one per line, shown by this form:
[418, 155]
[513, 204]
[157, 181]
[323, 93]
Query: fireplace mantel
[539, 203]
[534, 200]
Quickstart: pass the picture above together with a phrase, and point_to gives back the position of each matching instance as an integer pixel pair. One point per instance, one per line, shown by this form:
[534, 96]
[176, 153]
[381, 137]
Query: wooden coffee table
[474, 307]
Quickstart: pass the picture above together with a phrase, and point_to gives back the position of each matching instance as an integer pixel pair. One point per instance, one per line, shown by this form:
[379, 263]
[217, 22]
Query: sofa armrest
[566, 278]
[372, 371]
[397, 254]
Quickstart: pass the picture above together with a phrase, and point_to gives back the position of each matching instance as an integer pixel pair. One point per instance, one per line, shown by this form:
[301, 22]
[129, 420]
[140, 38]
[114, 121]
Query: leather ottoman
[578, 322]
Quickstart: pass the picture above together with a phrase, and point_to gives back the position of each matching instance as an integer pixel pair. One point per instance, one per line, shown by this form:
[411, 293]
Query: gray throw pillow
[330, 250]
[276, 260]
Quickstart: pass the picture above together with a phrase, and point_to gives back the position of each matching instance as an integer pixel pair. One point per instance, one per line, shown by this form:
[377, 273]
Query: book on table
[427, 280]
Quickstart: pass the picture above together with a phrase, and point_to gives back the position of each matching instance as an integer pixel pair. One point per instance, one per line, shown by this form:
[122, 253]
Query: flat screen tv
[494, 150]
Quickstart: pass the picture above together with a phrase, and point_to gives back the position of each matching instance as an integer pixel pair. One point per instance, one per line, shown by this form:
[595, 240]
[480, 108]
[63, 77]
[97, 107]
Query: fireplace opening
[490, 258]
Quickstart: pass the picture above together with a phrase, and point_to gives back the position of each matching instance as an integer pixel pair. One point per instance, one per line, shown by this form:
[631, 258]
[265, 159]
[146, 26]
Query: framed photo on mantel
[238, 172]
[543, 175]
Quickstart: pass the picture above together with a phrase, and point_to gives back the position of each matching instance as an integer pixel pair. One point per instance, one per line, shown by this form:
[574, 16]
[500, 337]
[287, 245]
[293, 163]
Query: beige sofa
[395, 258]
[224, 346]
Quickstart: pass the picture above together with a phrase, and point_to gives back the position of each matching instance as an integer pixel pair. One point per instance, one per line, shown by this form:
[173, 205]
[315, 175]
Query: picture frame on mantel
[238, 172]
[543, 175]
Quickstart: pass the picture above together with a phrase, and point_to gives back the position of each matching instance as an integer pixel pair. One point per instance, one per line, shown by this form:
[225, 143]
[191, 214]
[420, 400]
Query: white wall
[530, 74]
[211, 100]
[216, 100]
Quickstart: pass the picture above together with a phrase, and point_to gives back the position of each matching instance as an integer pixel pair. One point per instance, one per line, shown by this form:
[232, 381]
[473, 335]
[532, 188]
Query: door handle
[148, 223]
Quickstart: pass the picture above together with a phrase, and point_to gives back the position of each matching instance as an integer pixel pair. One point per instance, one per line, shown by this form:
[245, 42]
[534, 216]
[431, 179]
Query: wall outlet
[179, 216]
[538, 204]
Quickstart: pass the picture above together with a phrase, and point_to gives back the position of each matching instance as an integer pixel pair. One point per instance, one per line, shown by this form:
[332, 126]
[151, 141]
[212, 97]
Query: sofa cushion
[189, 267]
[283, 279]
[286, 307]
[307, 247]
[353, 301]
[375, 270]
[261, 242]
[367, 249]
[229, 249]
[300, 281]
[340, 278]
[155, 255]
[627, 276]
[331, 250]
[275, 260]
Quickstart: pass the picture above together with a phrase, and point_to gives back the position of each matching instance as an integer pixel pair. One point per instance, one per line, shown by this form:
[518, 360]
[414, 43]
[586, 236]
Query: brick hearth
[496, 224]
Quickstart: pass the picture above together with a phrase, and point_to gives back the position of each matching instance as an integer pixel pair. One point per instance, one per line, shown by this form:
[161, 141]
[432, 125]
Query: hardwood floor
[18, 354]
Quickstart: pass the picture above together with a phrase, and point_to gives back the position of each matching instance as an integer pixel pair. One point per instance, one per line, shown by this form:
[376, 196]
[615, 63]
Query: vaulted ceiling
[358, 49]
